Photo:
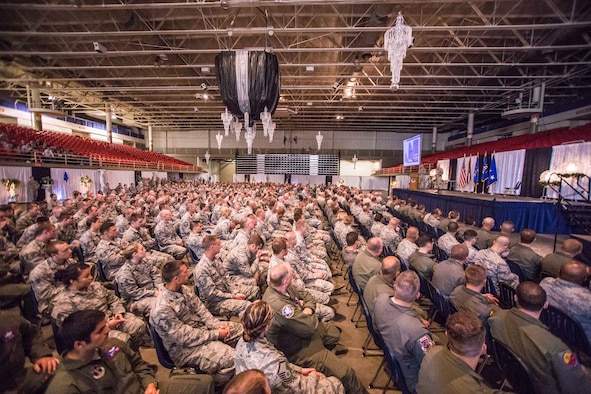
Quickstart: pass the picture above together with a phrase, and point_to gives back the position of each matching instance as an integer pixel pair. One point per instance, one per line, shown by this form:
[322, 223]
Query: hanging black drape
[536, 161]
[453, 163]
[264, 82]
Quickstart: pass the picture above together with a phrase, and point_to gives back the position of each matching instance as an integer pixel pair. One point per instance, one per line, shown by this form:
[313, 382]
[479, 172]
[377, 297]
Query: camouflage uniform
[133, 330]
[44, 284]
[240, 267]
[376, 228]
[185, 224]
[24, 221]
[570, 297]
[215, 292]
[194, 242]
[310, 260]
[496, 268]
[108, 255]
[167, 239]
[89, 241]
[10, 251]
[32, 255]
[390, 238]
[137, 283]
[283, 376]
[27, 236]
[190, 334]
[66, 233]
[122, 224]
[310, 279]
[222, 229]
[141, 236]
[446, 242]
[405, 249]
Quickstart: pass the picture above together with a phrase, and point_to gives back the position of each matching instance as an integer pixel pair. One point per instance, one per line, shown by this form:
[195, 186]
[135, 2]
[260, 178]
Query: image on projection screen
[412, 151]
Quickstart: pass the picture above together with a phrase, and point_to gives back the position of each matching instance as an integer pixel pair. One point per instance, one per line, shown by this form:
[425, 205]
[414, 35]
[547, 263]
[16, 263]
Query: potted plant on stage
[11, 186]
[47, 184]
[46, 180]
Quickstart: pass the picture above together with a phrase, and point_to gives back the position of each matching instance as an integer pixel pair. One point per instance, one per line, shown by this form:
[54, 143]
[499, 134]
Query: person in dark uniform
[403, 330]
[20, 339]
[451, 369]
[296, 331]
[553, 366]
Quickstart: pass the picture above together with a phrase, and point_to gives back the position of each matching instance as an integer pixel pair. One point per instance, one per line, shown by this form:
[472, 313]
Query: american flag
[463, 175]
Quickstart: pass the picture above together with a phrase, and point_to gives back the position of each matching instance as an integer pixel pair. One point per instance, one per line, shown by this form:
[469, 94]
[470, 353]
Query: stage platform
[542, 216]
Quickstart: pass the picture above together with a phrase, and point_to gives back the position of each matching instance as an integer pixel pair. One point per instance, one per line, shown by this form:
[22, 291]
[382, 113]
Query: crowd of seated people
[186, 257]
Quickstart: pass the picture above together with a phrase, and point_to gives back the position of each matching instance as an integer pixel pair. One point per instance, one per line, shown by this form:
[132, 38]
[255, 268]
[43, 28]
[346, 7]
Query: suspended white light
[207, 157]
[271, 131]
[237, 129]
[319, 138]
[266, 121]
[226, 119]
[396, 40]
[219, 139]
[249, 135]
[355, 159]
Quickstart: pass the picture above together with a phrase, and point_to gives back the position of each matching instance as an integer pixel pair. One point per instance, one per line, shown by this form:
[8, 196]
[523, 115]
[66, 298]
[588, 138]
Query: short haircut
[255, 239]
[452, 227]
[352, 237]
[42, 227]
[470, 235]
[407, 285]
[530, 296]
[459, 252]
[130, 249]
[195, 224]
[209, 241]
[453, 214]
[279, 244]
[424, 240]
[106, 226]
[32, 205]
[378, 217]
[465, 334]
[251, 381]
[412, 233]
[41, 219]
[171, 270]
[278, 273]
[134, 217]
[475, 275]
[52, 246]
[572, 246]
[527, 236]
[78, 327]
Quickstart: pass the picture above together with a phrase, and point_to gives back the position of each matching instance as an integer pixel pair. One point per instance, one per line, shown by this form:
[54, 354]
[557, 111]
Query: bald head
[501, 244]
[572, 247]
[575, 272]
[412, 234]
[390, 267]
[375, 246]
[488, 223]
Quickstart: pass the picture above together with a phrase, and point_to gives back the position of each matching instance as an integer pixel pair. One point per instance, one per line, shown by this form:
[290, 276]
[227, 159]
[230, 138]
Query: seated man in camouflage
[108, 251]
[190, 333]
[243, 265]
[167, 238]
[212, 283]
[138, 233]
[34, 253]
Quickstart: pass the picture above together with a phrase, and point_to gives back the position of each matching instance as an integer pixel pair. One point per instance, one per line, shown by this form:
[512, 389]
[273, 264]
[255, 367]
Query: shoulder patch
[287, 311]
[112, 352]
[426, 343]
[570, 359]
[98, 371]
[284, 373]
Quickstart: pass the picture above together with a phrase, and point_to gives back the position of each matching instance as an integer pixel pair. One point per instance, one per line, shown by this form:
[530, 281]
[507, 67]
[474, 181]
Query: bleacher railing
[35, 158]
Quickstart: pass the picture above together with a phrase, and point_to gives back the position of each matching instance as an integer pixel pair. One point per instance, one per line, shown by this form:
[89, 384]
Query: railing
[579, 189]
[37, 159]
[575, 213]
[400, 170]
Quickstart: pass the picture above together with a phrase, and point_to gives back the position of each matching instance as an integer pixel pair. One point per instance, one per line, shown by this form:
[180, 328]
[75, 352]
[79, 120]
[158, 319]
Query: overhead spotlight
[360, 108]
[206, 96]
[205, 69]
[160, 59]
[335, 85]
[203, 86]
[340, 117]
[230, 32]
[224, 4]
[309, 68]
[309, 103]
[270, 30]
[195, 109]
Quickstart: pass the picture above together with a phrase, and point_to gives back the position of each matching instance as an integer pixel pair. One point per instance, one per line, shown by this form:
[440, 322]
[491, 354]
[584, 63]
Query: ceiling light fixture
[396, 40]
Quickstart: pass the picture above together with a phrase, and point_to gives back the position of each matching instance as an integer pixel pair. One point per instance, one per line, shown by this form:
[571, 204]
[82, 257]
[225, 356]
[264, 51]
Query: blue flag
[493, 171]
[476, 178]
[66, 176]
[484, 176]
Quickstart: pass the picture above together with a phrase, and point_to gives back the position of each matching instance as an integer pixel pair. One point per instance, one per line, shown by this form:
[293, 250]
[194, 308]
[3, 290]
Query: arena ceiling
[155, 55]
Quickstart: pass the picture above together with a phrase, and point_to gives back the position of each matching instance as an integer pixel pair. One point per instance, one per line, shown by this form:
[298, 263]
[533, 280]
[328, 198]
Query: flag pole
[490, 187]
[482, 173]
[476, 173]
